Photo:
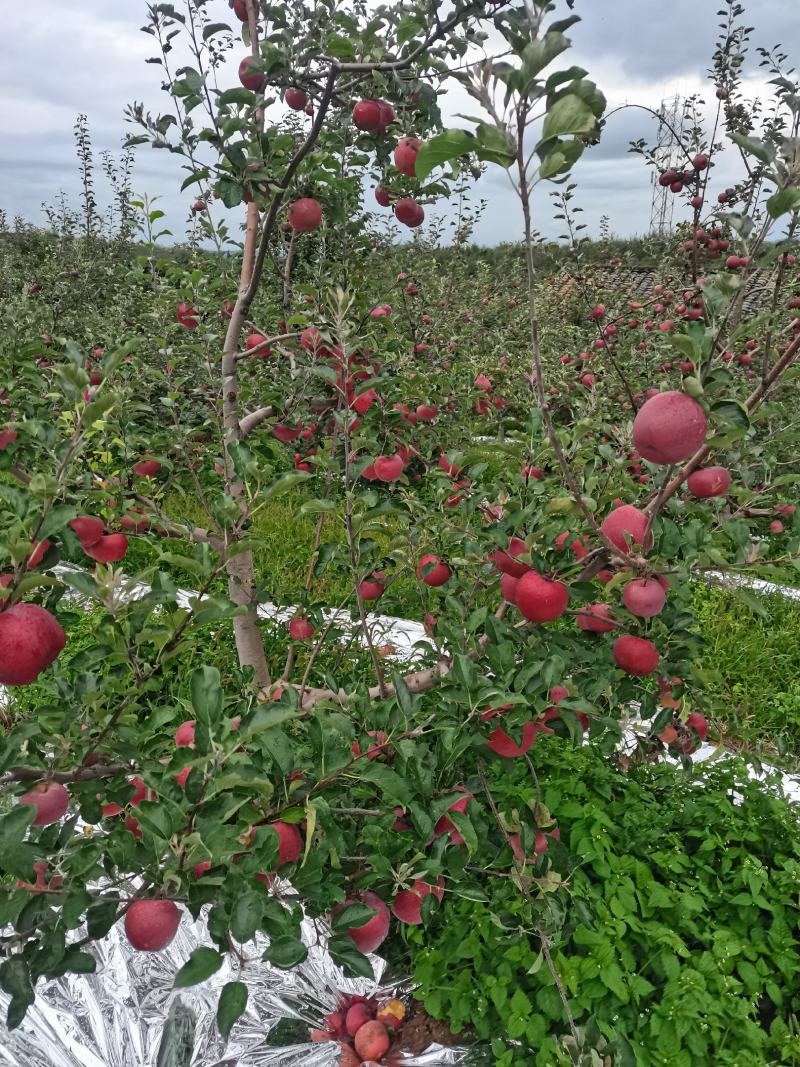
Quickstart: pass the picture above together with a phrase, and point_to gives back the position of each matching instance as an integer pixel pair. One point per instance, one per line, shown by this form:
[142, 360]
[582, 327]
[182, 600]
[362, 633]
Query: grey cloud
[88, 55]
[660, 39]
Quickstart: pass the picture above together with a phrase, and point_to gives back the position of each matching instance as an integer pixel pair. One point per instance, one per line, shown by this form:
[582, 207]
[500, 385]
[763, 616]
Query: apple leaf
[215, 27]
[246, 915]
[560, 158]
[195, 176]
[494, 145]
[354, 963]
[785, 200]
[731, 411]
[352, 916]
[202, 963]
[232, 1003]
[540, 53]
[206, 690]
[686, 345]
[286, 952]
[754, 147]
[285, 483]
[441, 149]
[569, 114]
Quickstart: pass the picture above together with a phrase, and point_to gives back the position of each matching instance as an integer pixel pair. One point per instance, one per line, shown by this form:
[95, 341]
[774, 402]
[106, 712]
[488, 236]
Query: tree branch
[252, 420]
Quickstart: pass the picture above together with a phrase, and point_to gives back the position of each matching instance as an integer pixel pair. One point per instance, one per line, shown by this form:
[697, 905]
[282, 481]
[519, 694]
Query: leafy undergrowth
[670, 908]
[752, 662]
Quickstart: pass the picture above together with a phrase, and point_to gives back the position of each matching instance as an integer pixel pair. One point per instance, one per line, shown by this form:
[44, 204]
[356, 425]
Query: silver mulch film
[128, 1015]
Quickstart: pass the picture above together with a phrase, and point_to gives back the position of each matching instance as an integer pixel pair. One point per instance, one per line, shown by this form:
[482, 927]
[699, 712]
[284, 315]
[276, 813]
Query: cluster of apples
[370, 116]
[31, 638]
[668, 428]
[675, 180]
[709, 243]
[364, 1028]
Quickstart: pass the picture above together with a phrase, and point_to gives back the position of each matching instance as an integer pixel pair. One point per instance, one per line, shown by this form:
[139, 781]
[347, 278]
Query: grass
[753, 662]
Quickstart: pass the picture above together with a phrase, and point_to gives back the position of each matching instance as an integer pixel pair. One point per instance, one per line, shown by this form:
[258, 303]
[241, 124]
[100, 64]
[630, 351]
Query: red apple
[300, 629]
[296, 99]
[50, 799]
[539, 599]
[367, 116]
[409, 212]
[184, 735]
[250, 76]
[389, 468]
[108, 549]
[369, 589]
[357, 1015]
[368, 937]
[635, 655]
[669, 428]
[405, 155]
[146, 468]
[709, 481]
[372, 1040]
[504, 745]
[624, 522]
[30, 640]
[305, 215]
[150, 925]
[433, 571]
[644, 597]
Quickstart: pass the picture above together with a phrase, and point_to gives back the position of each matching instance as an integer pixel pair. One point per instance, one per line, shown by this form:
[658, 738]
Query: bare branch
[252, 420]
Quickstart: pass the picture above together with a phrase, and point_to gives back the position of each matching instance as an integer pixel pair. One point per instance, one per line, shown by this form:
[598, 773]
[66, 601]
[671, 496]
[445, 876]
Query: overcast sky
[88, 56]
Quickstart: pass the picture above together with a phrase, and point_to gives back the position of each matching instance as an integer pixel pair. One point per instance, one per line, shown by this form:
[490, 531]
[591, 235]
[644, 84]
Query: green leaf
[230, 192]
[754, 147]
[232, 1002]
[241, 95]
[56, 519]
[686, 345]
[494, 145]
[340, 47]
[751, 600]
[101, 917]
[540, 53]
[285, 483]
[403, 694]
[569, 114]
[785, 200]
[441, 149]
[463, 824]
[206, 690]
[81, 582]
[352, 916]
[154, 817]
[731, 411]
[13, 828]
[391, 785]
[344, 953]
[214, 609]
[202, 963]
[195, 176]
[560, 157]
[215, 27]
[286, 952]
[246, 915]
[317, 506]
[15, 980]
[409, 27]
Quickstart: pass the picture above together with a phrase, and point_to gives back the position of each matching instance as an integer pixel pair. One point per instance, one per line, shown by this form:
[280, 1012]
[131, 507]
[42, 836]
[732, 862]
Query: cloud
[88, 56]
